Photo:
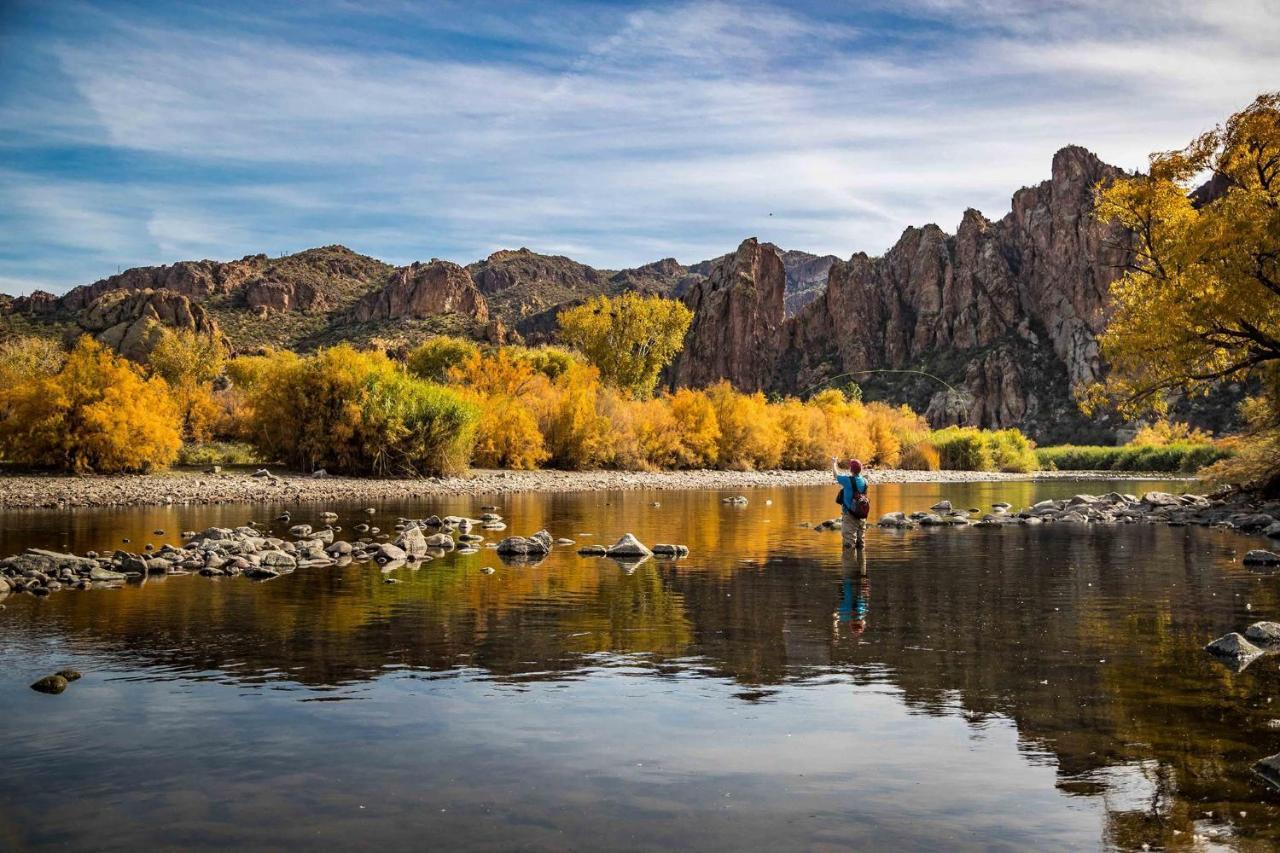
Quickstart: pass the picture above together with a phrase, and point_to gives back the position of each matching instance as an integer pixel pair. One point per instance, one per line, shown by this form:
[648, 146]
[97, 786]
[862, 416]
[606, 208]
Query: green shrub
[204, 453]
[432, 359]
[1169, 458]
[973, 449]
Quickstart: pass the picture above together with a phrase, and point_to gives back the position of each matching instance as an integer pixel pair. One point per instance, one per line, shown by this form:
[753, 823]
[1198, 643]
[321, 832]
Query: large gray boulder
[412, 541]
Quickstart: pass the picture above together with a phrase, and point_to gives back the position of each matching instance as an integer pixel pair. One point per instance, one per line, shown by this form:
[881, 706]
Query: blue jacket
[850, 482]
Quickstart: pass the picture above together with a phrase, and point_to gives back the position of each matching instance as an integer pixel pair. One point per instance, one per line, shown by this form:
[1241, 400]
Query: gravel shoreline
[184, 487]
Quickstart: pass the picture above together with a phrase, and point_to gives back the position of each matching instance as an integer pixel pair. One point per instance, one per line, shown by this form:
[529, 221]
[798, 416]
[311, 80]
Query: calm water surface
[1021, 688]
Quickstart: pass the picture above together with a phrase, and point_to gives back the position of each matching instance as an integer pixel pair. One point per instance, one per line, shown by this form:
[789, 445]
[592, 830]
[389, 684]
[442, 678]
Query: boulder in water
[1234, 650]
[628, 546]
[51, 684]
[1264, 633]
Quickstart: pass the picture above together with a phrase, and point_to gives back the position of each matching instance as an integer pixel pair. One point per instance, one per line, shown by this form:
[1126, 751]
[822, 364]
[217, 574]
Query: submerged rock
[663, 549]
[1259, 557]
[593, 551]
[52, 684]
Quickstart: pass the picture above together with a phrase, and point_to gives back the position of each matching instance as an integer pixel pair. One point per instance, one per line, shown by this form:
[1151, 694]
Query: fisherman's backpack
[861, 503]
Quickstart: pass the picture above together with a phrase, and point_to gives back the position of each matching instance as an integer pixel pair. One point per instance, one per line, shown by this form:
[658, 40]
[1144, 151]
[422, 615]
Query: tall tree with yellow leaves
[629, 338]
[1200, 302]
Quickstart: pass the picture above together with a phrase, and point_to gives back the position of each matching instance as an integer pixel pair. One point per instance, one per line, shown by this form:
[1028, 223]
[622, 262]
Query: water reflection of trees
[978, 622]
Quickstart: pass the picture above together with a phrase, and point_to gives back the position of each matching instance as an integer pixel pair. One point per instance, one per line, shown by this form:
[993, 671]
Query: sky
[136, 133]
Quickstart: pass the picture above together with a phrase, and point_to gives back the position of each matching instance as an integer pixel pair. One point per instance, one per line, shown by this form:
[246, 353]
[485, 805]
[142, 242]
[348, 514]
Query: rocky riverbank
[182, 487]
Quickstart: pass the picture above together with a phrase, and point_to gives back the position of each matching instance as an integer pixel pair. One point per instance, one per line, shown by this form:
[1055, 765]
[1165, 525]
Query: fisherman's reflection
[855, 595]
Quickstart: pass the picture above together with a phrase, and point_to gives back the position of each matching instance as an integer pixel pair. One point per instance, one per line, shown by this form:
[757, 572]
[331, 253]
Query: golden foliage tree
[190, 361]
[1200, 302]
[97, 413]
[629, 338]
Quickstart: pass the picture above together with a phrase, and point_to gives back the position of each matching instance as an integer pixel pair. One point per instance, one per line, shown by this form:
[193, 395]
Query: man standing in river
[854, 504]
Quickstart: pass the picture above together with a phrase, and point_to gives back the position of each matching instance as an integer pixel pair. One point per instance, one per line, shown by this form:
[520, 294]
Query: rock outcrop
[737, 318]
[424, 290]
[130, 321]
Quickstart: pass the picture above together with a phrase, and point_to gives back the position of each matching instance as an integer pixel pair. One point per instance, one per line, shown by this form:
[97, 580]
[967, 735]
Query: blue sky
[617, 133]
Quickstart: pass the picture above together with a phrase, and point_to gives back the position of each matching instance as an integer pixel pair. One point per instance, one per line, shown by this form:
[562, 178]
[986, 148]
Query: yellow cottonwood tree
[1200, 302]
[629, 338]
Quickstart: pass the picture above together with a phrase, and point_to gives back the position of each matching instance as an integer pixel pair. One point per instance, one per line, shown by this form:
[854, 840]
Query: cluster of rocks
[252, 551]
[56, 683]
[1112, 508]
[1237, 652]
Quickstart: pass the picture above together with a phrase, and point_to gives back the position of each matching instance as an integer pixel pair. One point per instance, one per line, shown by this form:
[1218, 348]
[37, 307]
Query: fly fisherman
[855, 506]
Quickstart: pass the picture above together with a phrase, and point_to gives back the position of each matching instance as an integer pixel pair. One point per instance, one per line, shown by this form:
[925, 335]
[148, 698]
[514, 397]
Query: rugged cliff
[737, 318]
[1008, 312]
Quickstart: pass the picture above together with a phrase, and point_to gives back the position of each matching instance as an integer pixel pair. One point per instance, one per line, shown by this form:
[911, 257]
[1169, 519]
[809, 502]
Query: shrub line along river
[1018, 687]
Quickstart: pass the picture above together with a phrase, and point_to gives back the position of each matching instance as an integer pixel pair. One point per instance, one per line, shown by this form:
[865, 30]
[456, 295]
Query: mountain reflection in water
[975, 688]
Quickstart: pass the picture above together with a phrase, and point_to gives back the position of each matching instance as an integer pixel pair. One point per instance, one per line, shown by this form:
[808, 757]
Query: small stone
[69, 674]
[487, 570]
[941, 506]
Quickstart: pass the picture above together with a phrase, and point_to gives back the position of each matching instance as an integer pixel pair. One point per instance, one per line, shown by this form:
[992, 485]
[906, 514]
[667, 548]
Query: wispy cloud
[617, 135]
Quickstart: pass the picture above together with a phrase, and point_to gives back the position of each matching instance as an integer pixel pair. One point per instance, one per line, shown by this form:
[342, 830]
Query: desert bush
[920, 456]
[551, 362]
[698, 429]
[750, 437]
[218, 453]
[576, 434]
[29, 357]
[97, 413]
[962, 449]
[433, 358]
[353, 411]
[1164, 432]
[807, 443]
[507, 434]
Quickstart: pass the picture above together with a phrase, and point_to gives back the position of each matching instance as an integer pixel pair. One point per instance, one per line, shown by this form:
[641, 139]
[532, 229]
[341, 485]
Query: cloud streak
[615, 135]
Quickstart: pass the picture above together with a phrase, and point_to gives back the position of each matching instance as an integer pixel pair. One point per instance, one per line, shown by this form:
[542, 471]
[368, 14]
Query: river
[1002, 688]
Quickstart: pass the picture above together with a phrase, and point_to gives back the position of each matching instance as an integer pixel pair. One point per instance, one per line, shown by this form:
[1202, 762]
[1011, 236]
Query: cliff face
[737, 318]
[423, 290]
[1007, 311]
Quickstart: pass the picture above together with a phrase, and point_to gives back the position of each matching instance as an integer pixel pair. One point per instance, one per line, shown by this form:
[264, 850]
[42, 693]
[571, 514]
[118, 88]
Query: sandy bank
[182, 487]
